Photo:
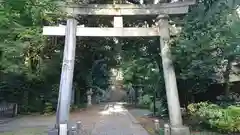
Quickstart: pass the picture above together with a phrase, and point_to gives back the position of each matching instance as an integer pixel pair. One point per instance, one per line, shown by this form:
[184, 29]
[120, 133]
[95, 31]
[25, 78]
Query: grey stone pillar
[67, 71]
[176, 126]
[89, 96]
[65, 87]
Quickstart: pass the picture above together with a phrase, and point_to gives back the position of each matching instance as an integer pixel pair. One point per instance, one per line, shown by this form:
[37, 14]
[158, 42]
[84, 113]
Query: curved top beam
[127, 9]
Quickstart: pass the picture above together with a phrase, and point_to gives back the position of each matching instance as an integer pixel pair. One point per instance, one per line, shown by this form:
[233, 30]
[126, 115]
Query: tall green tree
[208, 44]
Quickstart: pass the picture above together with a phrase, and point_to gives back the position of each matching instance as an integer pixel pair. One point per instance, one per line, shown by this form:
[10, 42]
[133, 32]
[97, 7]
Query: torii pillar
[175, 115]
[65, 87]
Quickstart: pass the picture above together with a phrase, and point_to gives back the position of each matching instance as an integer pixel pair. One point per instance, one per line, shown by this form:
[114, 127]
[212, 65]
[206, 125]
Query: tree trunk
[78, 97]
[226, 76]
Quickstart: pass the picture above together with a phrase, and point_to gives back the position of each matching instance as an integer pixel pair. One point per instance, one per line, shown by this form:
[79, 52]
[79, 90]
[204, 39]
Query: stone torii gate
[71, 30]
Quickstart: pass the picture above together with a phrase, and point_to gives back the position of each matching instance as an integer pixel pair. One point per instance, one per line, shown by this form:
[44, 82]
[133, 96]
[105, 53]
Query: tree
[209, 42]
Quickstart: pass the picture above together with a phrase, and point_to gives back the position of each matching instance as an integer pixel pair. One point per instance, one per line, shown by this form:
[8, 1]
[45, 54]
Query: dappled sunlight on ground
[116, 108]
[114, 119]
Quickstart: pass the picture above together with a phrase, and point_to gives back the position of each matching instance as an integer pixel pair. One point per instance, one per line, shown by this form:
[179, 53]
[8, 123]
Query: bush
[216, 117]
[231, 99]
[145, 101]
[48, 108]
[161, 109]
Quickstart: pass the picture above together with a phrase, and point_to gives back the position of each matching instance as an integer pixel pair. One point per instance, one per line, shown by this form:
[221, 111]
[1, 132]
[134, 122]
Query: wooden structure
[118, 11]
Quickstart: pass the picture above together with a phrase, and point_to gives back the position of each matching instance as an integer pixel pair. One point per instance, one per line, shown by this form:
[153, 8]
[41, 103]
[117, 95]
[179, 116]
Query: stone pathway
[97, 120]
[140, 112]
[116, 120]
[6, 120]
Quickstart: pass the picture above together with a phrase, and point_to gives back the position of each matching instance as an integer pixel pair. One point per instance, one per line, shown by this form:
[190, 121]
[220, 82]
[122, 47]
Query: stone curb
[132, 118]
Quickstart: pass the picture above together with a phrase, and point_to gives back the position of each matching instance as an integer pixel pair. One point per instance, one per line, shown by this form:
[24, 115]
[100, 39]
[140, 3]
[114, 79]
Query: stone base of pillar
[55, 131]
[179, 130]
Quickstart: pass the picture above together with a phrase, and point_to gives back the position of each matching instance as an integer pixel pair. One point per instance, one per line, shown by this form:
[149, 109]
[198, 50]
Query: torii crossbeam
[161, 30]
[128, 9]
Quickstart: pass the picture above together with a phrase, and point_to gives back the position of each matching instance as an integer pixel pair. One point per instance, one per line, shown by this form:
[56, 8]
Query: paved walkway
[98, 120]
[116, 120]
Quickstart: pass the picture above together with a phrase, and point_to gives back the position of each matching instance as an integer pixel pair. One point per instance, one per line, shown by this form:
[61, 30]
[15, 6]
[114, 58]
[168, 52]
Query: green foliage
[161, 109]
[208, 42]
[142, 67]
[231, 99]
[99, 74]
[216, 117]
[25, 66]
[30, 63]
[145, 101]
[48, 109]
